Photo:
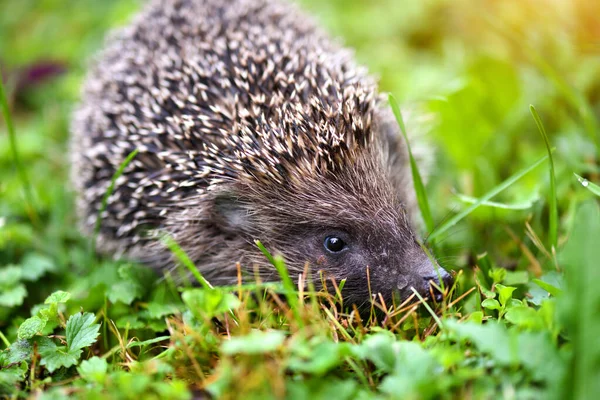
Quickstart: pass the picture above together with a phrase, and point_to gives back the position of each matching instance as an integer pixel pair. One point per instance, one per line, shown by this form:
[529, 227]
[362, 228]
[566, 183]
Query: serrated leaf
[54, 357]
[81, 331]
[30, 327]
[49, 313]
[18, 351]
[58, 297]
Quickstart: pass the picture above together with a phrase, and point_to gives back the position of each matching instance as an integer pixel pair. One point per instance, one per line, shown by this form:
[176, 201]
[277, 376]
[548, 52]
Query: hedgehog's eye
[334, 244]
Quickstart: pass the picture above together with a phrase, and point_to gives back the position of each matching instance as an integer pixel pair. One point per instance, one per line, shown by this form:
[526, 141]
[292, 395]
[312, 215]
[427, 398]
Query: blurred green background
[471, 68]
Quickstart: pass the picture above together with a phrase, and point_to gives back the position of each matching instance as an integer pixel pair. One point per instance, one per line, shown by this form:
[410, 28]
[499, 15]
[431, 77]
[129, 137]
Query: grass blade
[579, 307]
[592, 187]
[10, 128]
[185, 260]
[417, 181]
[524, 205]
[108, 193]
[452, 221]
[552, 203]
[287, 282]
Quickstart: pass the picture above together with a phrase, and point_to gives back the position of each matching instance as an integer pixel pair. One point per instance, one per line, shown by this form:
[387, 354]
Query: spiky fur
[250, 124]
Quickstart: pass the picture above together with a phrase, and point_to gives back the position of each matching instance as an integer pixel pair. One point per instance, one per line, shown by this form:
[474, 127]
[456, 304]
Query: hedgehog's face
[374, 259]
[373, 249]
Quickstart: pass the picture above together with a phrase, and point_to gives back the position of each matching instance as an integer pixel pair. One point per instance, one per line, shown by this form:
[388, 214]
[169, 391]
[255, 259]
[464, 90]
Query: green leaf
[124, 292]
[524, 317]
[209, 302]
[35, 266]
[58, 297]
[498, 189]
[379, 349]
[592, 187]
[554, 282]
[133, 283]
[491, 304]
[256, 342]
[14, 296]
[553, 290]
[18, 351]
[497, 274]
[55, 357]
[93, 370]
[417, 181]
[504, 294]
[157, 310]
[534, 351]
[10, 378]
[30, 327]
[316, 357]
[10, 276]
[130, 322]
[516, 278]
[322, 389]
[81, 331]
[476, 317]
[416, 373]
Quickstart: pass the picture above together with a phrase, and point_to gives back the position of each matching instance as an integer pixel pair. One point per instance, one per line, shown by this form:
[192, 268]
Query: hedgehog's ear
[230, 214]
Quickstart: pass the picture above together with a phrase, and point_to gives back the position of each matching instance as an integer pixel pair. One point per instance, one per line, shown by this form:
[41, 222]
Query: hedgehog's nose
[430, 289]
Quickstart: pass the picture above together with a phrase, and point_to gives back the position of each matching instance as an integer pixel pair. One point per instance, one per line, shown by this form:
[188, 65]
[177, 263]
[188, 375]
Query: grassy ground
[522, 322]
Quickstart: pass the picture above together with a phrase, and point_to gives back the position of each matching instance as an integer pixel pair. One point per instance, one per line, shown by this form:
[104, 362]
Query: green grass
[522, 320]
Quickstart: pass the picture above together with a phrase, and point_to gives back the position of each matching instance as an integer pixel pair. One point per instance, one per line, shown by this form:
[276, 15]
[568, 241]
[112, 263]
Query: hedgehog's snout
[435, 285]
[430, 281]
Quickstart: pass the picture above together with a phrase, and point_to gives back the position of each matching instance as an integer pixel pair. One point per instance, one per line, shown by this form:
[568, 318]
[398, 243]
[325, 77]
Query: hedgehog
[250, 123]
